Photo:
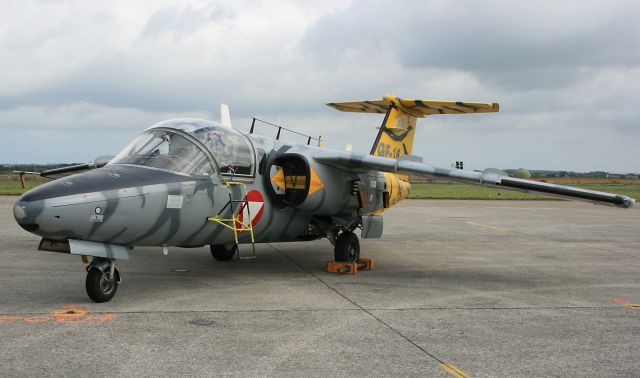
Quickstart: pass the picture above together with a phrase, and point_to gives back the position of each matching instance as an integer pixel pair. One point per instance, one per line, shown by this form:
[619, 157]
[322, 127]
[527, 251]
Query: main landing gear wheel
[100, 287]
[223, 252]
[347, 248]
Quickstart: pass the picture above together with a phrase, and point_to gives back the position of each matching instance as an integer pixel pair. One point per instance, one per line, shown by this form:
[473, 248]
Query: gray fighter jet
[191, 183]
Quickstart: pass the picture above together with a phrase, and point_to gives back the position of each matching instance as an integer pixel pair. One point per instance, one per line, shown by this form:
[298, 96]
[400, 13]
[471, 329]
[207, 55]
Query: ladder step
[234, 223]
[253, 250]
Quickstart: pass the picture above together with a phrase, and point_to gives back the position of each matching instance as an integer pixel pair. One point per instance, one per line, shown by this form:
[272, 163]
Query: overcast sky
[81, 79]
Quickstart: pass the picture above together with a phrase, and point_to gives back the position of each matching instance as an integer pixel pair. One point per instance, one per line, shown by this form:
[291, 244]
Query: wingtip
[625, 202]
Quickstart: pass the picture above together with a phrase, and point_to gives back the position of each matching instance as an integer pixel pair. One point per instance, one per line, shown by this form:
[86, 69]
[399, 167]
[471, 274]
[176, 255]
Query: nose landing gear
[223, 252]
[102, 280]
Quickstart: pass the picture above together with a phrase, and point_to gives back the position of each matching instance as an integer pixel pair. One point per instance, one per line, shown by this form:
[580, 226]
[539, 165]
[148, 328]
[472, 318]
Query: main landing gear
[347, 247]
[102, 280]
[347, 255]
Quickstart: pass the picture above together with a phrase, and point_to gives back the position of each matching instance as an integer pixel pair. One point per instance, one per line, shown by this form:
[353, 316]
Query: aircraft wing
[413, 165]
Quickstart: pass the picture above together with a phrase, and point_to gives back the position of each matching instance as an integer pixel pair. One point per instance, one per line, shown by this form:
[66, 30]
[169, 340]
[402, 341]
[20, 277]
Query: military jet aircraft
[191, 183]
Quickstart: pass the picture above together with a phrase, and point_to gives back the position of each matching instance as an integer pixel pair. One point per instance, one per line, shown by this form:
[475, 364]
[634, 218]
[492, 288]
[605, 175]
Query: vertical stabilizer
[395, 137]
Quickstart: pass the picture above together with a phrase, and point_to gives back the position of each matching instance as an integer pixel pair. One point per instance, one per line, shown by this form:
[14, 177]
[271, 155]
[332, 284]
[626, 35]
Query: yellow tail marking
[417, 108]
[396, 134]
[454, 371]
[395, 137]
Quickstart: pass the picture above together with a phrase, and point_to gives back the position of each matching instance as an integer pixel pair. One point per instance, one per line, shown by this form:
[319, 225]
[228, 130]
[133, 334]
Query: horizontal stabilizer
[416, 108]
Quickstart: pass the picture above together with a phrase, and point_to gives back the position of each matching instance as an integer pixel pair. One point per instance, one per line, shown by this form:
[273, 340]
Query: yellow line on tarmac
[487, 226]
[454, 371]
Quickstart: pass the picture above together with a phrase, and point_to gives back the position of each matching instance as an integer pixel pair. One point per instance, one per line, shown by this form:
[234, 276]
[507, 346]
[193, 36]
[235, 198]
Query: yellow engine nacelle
[397, 188]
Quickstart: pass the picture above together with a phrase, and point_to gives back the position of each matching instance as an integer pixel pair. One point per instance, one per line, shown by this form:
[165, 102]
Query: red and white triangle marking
[255, 207]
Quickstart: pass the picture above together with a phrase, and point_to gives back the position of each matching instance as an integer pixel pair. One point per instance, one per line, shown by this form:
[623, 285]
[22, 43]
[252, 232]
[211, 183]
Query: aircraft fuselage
[134, 205]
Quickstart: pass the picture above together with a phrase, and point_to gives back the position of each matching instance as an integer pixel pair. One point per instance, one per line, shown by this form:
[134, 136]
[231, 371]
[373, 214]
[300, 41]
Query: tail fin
[395, 137]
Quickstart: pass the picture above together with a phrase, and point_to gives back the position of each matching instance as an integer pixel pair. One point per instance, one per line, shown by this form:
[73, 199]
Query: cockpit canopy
[179, 145]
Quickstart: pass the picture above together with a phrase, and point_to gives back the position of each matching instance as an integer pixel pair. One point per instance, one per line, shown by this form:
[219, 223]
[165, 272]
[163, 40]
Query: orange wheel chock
[349, 268]
[365, 264]
[342, 267]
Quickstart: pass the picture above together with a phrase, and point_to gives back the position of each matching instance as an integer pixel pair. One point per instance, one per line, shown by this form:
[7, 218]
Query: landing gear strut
[347, 248]
[223, 252]
[102, 280]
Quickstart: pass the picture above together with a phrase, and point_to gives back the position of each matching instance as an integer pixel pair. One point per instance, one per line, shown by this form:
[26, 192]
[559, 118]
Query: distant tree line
[561, 174]
[521, 172]
[542, 174]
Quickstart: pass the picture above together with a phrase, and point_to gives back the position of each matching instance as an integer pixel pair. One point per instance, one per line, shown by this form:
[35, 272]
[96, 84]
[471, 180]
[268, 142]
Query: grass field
[440, 190]
[10, 185]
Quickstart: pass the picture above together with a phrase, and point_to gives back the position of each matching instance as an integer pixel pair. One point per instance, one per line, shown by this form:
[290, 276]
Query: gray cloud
[183, 21]
[514, 44]
[566, 74]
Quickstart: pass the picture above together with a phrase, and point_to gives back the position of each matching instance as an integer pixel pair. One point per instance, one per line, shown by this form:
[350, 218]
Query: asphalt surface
[493, 288]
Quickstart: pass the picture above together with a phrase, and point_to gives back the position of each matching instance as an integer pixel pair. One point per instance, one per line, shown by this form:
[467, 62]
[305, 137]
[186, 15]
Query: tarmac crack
[366, 311]
[359, 308]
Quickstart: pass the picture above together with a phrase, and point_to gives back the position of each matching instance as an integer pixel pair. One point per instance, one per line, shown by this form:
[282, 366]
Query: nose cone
[65, 208]
[26, 214]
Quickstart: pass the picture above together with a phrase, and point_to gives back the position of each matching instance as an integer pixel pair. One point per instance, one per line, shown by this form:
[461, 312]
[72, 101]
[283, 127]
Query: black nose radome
[31, 227]
[26, 213]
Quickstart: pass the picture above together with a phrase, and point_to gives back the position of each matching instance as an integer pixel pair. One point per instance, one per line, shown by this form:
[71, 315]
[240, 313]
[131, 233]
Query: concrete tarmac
[492, 288]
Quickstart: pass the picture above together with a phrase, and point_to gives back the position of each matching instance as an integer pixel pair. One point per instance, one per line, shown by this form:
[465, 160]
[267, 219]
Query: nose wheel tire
[223, 252]
[100, 287]
[347, 248]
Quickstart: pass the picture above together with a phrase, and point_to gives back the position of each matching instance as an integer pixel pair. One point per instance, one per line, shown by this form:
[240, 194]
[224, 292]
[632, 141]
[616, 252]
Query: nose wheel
[223, 252]
[102, 280]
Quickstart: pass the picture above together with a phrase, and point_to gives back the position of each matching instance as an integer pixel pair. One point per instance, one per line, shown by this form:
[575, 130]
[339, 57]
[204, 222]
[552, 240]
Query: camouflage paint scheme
[133, 203]
[129, 205]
